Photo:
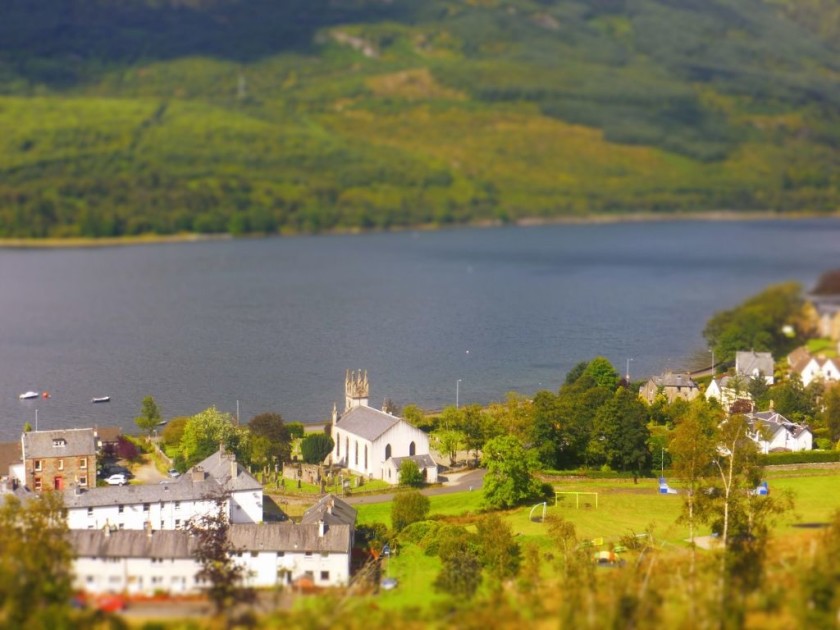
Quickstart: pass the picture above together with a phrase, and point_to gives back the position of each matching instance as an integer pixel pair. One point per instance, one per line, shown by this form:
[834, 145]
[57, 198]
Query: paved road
[460, 482]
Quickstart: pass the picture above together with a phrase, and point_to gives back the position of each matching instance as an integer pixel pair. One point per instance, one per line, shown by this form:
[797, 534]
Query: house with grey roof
[751, 364]
[55, 460]
[170, 505]
[148, 560]
[670, 385]
[366, 439]
[774, 433]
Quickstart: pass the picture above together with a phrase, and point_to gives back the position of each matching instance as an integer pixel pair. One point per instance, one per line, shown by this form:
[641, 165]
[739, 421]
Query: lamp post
[457, 393]
[627, 371]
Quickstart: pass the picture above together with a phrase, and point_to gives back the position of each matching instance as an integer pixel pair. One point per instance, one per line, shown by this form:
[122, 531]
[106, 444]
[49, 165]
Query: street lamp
[457, 393]
[627, 371]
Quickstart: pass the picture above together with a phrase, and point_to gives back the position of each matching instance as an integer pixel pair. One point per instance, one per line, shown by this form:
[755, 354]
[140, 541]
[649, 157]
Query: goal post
[577, 495]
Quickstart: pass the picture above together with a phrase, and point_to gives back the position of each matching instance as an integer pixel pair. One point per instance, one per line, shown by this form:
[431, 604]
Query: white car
[118, 479]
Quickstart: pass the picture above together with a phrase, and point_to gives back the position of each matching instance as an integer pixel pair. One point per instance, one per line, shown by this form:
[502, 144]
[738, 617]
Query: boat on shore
[29, 395]
[101, 399]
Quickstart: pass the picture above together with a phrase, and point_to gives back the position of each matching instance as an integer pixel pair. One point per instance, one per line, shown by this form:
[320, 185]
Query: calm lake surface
[275, 323]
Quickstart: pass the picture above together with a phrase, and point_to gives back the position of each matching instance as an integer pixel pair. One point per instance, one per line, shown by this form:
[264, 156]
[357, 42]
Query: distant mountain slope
[133, 116]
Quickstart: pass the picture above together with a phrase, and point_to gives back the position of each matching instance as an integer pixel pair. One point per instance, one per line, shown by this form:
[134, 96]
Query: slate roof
[127, 543]
[422, 461]
[38, 444]
[332, 510]
[108, 434]
[292, 537]
[166, 544]
[208, 483]
[184, 489]
[673, 380]
[749, 363]
[366, 422]
[775, 422]
[219, 465]
[799, 358]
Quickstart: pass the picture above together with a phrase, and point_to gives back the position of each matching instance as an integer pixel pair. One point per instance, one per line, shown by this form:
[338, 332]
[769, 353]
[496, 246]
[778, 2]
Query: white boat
[29, 395]
[101, 399]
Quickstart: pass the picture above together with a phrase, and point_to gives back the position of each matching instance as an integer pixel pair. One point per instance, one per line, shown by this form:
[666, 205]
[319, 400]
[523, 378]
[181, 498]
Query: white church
[374, 443]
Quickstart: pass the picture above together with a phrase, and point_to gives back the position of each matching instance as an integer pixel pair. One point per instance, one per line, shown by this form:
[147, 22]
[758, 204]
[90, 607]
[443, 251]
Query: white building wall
[268, 568]
[165, 515]
[345, 452]
[399, 437]
[246, 506]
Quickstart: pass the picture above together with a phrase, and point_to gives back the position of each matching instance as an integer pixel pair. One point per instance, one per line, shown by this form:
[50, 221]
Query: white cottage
[366, 439]
[775, 433]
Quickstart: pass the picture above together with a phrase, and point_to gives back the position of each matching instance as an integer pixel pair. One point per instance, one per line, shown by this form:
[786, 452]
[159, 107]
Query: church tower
[356, 389]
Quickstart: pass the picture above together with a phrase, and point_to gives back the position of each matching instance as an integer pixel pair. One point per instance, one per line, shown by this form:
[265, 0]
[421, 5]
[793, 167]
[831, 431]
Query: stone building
[55, 460]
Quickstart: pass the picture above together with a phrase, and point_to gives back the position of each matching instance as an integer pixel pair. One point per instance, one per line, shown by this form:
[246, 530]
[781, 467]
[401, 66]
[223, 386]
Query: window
[280, 554]
[254, 554]
[325, 554]
[357, 452]
[387, 451]
[83, 480]
[59, 443]
[337, 445]
[308, 554]
[177, 505]
[83, 463]
[325, 575]
[121, 509]
[38, 465]
[90, 511]
[37, 483]
[145, 507]
[177, 523]
[365, 457]
[347, 447]
[61, 464]
[412, 449]
[89, 579]
[122, 525]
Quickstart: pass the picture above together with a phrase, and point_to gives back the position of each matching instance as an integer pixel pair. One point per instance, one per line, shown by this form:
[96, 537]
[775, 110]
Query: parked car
[118, 479]
[174, 473]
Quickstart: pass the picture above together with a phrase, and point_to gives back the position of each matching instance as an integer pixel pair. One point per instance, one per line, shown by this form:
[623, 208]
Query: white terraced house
[170, 505]
[144, 562]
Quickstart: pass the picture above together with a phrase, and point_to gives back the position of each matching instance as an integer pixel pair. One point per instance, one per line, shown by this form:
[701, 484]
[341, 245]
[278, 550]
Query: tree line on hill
[135, 117]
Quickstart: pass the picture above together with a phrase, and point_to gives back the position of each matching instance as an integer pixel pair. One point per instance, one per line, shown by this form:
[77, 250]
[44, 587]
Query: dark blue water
[274, 323]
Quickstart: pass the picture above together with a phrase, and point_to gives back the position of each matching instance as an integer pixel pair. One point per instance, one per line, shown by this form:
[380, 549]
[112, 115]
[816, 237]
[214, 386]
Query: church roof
[366, 422]
[422, 461]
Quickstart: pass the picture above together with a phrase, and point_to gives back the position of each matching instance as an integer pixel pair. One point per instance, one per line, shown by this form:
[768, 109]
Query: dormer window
[59, 443]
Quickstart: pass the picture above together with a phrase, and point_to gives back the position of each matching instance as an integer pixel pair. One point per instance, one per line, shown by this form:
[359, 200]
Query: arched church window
[347, 448]
[365, 457]
[411, 449]
[337, 446]
[387, 452]
[357, 453]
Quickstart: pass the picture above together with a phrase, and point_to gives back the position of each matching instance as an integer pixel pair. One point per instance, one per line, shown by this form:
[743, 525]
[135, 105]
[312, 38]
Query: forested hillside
[125, 117]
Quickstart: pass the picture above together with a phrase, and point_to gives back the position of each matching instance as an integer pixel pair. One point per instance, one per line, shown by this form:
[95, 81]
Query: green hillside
[125, 117]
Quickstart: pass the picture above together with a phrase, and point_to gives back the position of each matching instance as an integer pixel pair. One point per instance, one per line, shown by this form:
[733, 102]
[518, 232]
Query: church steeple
[356, 389]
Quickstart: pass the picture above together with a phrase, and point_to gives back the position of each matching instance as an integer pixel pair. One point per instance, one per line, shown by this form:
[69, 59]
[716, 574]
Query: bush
[801, 457]
[417, 533]
[407, 508]
[296, 430]
[315, 447]
[410, 474]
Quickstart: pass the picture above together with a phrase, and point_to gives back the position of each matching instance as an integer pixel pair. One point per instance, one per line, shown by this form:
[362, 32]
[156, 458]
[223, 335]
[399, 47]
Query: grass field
[623, 508]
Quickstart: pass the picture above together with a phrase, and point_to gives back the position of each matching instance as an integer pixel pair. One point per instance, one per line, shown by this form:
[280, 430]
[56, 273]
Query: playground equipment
[664, 488]
[540, 518]
[762, 490]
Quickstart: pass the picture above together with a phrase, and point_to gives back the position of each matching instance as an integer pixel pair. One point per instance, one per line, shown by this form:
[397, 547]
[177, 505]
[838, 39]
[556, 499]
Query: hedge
[801, 457]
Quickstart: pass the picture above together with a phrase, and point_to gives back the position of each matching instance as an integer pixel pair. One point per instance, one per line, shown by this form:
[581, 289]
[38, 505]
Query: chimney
[107, 530]
[322, 528]
[77, 490]
[234, 468]
[330, 506]
[197, 474]
[148, 527]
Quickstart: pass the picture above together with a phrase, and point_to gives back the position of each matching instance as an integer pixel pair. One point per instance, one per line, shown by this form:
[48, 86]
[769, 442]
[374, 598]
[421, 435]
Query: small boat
[162, 422]
[101, 399]
[29, 395]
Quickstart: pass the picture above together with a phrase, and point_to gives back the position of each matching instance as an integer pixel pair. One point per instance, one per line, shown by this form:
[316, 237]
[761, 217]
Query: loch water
[274, 323]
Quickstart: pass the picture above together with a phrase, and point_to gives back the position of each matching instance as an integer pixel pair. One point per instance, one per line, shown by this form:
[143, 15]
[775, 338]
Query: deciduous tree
[149, 417]
[508, 481]
[271, 427]
[204, 433]
[410, 474]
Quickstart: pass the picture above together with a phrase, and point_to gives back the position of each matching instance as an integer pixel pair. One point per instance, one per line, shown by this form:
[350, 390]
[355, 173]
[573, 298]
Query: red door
[59, 483]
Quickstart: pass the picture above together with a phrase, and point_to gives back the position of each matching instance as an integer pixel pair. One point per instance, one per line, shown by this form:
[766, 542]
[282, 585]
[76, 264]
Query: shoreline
[593, 219]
